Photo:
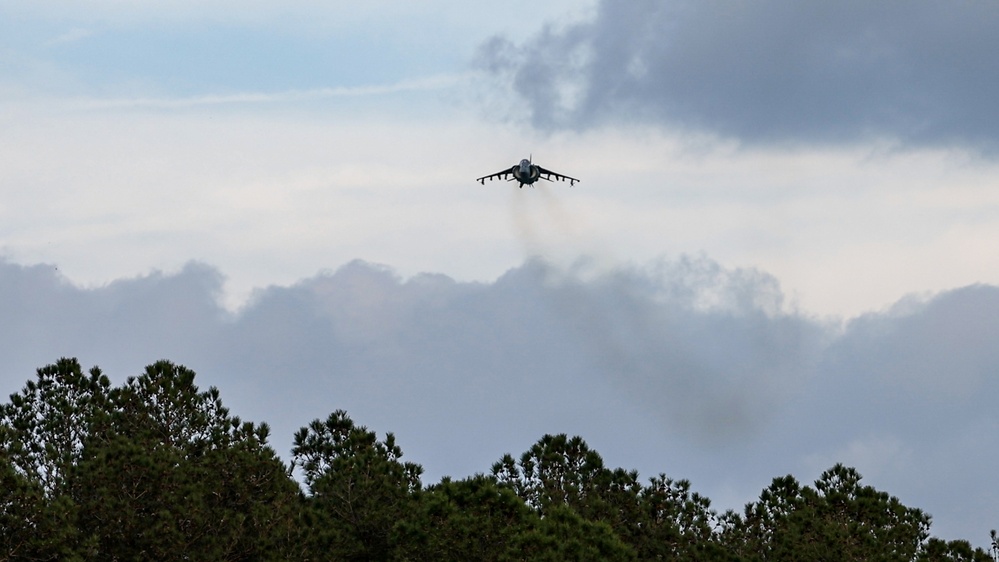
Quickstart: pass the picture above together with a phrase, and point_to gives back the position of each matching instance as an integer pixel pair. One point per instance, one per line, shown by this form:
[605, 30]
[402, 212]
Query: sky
[778, 258]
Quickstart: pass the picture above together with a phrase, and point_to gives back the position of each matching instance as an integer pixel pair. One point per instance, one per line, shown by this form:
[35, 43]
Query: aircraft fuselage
[526, 173]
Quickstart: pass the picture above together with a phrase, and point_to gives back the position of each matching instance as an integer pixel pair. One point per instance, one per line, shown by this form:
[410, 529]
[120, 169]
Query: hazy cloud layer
[679, 366]
[920, 72]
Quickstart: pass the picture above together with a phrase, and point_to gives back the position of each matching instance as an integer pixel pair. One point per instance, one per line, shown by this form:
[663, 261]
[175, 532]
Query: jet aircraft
[526, 173]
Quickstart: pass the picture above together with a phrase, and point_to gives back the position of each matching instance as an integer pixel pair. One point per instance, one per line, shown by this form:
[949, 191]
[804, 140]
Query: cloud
[128, 320]
[679, 366]
[938, 350]
[708, 350]
[775, 71]
[912, 390]
[710, 353]
[289, 96]
[71, 36]
[337, 14]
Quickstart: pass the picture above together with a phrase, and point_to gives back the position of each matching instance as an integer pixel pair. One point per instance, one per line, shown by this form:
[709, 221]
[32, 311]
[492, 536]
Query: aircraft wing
[503, 175]
[548, 174]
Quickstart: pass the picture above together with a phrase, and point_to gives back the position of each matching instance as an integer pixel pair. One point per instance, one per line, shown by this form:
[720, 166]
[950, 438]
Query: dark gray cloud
[679, 366]
[709, 350]
[772, 71]
[705, 354]
[917, 384]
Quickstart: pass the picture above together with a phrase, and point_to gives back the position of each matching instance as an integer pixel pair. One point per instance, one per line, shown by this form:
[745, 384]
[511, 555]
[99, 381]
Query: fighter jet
[526, 173]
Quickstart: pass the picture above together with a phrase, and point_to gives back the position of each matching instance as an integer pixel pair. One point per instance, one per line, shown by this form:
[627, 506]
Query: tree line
[157, 469]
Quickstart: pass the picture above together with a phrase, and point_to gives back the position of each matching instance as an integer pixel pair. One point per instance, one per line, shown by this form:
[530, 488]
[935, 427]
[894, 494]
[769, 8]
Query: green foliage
[556, 471]
[937, 550]
[472, 519]
[42, 434]
[31, 527]
[359, 487]
[676, 524]
[479, 519]
[562, 472]
[173, 471]
[663, 520]
[565, 535]
[44, 427]
[157, 469]
[154, 469]
[837, 520]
